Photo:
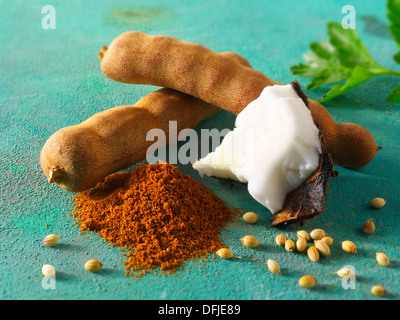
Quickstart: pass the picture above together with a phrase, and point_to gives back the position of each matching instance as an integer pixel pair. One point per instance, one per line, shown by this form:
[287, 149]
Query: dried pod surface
[135, 57]
[308, 200]
[78, 157]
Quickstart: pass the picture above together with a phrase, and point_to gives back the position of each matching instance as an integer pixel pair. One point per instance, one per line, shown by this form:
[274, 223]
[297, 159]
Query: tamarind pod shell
[78, 157]
[138, 58]
[308, 200]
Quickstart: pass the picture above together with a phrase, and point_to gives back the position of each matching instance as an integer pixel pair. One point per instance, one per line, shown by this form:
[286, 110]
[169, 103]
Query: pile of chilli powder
[159, 215]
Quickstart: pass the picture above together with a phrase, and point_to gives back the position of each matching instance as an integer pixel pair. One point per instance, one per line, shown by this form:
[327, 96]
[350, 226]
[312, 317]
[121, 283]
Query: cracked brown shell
[308, 200]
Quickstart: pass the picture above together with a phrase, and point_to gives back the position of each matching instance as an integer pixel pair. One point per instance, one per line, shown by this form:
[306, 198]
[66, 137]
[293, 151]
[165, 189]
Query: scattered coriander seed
[378, 203]
[225, 253]
[313, 254]
[382, 259]
[317, 234]
[274, 267]
[280, 239]
[303, 234]
[323, 248]
[349, 246]
[93, 265]
[343, 272]
[369, 227]
[48, 270]
[301, 244]
[378, 291]
[327, 240]
[250, 241]
[290, 245]
[51, 240]
[250, 217]
[307, 282]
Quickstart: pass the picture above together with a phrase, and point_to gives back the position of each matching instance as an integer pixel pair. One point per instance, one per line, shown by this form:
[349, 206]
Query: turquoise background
[51, 79]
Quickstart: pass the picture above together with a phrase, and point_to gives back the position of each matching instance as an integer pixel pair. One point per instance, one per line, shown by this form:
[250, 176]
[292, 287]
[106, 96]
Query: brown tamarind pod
[78, 157]
[138, 58]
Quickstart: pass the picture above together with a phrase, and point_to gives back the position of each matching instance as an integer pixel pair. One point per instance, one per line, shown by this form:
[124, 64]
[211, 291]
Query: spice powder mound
[161, 216]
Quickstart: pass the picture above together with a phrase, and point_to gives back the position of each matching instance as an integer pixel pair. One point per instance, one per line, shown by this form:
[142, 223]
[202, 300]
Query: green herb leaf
[344, 57]
[349, 48]
[323, 64]
[394, 96]
[397, 57]
[334, 60]
[393, 15]
[358, 76]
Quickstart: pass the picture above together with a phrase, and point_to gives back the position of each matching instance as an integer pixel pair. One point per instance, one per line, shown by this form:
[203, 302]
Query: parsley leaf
[393, 15]
[358, 76]
[344, 57]
[322, 64]
[349, 48]
[394, 96]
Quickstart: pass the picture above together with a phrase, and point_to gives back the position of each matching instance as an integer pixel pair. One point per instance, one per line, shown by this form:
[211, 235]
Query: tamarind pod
[78, 157]
[137, 58]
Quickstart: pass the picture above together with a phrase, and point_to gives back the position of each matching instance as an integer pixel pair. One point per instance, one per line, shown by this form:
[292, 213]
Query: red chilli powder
[161, 216]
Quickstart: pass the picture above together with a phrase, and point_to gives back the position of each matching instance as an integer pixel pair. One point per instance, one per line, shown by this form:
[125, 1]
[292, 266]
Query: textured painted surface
[51, 79]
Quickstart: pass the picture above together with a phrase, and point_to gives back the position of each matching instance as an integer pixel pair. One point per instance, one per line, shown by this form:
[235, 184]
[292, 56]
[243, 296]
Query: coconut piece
[274, 147]
[290, 175]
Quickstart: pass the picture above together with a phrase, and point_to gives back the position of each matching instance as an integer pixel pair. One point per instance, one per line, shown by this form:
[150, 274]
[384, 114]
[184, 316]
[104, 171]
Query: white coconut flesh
[274, 147]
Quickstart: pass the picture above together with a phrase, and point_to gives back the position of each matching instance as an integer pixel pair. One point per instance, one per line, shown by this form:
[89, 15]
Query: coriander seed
[303, 234]
[93, 265]
[317, 234]
[225, 253]
[48, 270]
[323, 248]
[369, 227]
[250, 217]
[349, 246]
[343, 272]
[307, 282]
[274, 267]
[301, 244]
[382, 259]
[313, 254]
[378, 291]
[51, 240]
[290, 245]
[280, 239]
[378, 203]
[250, 241]
[327, 240]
